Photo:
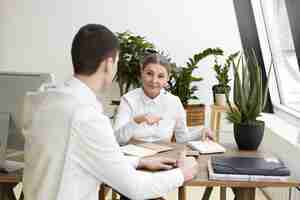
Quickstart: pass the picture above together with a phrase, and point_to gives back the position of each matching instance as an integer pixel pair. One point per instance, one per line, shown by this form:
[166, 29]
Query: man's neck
[91, 81]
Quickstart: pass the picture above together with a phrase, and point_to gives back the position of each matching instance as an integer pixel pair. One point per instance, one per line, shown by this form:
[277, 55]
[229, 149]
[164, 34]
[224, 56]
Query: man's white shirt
[165, 105]
[91, 154]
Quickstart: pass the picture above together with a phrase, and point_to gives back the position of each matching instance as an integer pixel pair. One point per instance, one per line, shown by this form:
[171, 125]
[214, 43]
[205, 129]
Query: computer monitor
[13, 87]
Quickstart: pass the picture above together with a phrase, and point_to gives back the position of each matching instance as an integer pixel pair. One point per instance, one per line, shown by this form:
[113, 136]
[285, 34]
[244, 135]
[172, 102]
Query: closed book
[247, 168]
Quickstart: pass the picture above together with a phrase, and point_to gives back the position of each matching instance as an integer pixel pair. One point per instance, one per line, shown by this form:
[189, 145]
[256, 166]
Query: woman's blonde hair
[156, 58]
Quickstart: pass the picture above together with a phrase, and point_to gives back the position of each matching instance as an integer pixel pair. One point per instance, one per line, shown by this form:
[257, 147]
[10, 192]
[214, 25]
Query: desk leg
[7, 192]
[207, 193]
[222, 193]
[103, 191]
[182, 193]
[114, 194]
[22, 196]
[245, 193]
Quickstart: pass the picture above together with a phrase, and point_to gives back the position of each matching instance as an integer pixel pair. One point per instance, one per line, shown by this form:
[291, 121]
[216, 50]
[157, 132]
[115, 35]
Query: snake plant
[249, 94]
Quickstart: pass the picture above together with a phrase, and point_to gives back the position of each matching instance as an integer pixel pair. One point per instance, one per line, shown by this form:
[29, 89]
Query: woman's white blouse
[165, 105]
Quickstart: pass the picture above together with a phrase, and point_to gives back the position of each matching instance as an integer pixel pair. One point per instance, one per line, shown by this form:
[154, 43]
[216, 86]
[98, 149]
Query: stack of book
[247, 168]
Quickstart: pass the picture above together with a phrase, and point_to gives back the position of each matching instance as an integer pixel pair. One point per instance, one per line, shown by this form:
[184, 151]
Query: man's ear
[107, 63]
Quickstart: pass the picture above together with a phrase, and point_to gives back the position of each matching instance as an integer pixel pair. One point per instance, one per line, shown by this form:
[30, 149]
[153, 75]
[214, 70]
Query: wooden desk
[245, 190]
[7, 183]
[9, 180]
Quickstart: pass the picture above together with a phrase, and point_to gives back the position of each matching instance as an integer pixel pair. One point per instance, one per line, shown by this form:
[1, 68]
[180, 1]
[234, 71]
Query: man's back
[70, 149]
[46, 140]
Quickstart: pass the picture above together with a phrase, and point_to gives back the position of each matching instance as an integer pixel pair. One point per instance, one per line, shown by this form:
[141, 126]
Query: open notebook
[206, 147]
[144, 149]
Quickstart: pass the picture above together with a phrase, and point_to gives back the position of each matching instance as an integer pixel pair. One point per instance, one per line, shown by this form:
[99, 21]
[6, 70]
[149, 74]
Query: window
[272, 19]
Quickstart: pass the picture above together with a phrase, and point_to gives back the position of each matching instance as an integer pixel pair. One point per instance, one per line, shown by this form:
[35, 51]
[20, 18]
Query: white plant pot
[220, 99]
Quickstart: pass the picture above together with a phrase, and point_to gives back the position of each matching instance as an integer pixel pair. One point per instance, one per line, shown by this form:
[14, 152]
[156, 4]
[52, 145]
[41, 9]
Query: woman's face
[154, 77]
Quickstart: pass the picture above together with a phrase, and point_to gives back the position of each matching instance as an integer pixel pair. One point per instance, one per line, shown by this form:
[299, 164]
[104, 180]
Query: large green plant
[132, 49]
[249, 95]
[181, 77]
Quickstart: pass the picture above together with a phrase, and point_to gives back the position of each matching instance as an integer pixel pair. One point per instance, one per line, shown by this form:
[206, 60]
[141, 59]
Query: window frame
[250, 38]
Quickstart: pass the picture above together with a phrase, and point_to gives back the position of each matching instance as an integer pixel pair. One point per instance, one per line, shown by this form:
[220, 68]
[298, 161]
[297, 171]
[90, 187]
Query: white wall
[35, 36]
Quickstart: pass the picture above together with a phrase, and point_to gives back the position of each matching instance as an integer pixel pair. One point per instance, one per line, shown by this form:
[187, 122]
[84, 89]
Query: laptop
[5, 153]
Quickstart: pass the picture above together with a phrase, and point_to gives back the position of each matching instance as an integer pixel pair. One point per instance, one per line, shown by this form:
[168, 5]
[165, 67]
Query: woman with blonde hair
[150, 113]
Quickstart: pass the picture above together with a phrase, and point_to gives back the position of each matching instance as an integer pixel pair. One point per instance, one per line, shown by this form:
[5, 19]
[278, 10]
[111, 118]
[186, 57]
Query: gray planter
[249, 136]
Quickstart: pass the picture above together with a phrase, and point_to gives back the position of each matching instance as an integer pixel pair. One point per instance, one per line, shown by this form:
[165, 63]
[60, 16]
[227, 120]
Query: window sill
[288, 114]
[283, 128]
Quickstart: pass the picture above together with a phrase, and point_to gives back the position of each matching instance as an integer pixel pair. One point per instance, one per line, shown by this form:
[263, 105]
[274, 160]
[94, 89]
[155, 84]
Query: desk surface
[13, 177]
[202, 178]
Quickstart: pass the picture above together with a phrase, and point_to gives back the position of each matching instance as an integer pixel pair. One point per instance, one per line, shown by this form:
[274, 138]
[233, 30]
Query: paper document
[144, 149]
[156, 147]
[11, 166]
[206, 147]
[138, 151]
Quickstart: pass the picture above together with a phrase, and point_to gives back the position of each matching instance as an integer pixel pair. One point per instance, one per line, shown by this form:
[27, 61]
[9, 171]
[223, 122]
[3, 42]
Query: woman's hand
[148, 118]
[207, 134]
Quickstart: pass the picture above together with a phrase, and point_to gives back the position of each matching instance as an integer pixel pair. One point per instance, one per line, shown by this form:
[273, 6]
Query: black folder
[264, 166]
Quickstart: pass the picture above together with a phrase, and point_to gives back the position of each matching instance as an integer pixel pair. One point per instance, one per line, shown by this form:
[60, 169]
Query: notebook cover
[268, 166]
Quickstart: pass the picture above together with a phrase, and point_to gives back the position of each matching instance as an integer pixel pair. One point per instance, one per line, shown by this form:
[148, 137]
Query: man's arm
[99, 154]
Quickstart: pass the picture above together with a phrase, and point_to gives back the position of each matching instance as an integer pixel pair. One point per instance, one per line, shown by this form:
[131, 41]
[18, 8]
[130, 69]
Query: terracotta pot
[195, 114]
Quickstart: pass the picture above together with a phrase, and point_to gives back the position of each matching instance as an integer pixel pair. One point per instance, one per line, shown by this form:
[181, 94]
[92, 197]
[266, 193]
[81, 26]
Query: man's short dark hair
[92, 44]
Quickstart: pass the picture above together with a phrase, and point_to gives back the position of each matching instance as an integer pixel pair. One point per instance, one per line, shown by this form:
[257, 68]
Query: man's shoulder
[56, 98]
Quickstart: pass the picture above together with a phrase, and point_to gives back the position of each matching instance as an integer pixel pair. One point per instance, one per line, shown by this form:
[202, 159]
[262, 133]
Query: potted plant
[180, 84]
[223, 79]
[132, 49]
[249, 97]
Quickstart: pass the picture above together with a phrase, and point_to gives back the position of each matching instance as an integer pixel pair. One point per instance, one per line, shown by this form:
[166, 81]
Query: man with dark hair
[86, 54]
[70, 146]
